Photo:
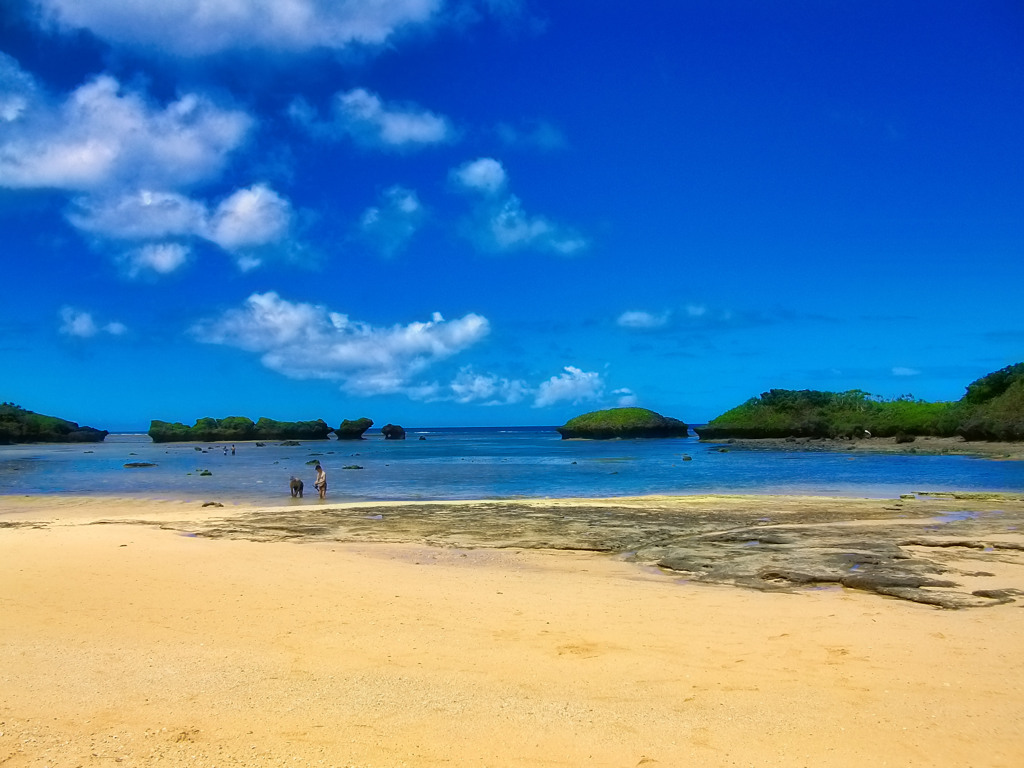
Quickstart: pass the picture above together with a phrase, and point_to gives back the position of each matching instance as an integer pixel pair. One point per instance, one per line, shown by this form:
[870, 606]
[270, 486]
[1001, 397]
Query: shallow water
[481, 463]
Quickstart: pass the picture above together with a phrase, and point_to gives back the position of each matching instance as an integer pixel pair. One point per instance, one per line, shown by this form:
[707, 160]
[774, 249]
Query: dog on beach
[296, 487]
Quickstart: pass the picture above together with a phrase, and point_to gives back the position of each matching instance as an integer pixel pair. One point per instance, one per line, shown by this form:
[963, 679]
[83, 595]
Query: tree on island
[991, 409]
[18, 425]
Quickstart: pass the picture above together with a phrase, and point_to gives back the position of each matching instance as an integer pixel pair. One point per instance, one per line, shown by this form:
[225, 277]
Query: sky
[503, 212]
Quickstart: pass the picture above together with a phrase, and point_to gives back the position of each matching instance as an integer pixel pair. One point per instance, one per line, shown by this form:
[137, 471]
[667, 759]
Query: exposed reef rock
[938, 550]
[18, 425]
[353, 430]
[622, 423]
[392, 432]
[236, 429]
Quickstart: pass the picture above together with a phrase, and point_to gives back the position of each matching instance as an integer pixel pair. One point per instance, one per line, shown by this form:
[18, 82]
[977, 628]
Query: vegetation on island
[622, 423]
[18, 425]
[353, 430]
[236, 429]
[994, 406]
[991, 409]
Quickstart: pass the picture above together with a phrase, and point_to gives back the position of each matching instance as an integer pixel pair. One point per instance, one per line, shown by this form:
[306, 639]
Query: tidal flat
[944, 549]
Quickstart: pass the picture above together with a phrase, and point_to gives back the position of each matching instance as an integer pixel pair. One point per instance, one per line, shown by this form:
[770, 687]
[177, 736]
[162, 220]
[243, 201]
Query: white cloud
[159, 258]
[487, 389]
[250, 218]
[139, 215]
[538, 134]
[389, 225]
[201, 27]
[640, 319]
[511, 228]
[75, 322]
[369, 121]
[485, 174]
[573, 386]
[627, 398]
[103, 136]
[17, 89]
[500, 223]
[306, 341]
[901, 371]
[246, 224]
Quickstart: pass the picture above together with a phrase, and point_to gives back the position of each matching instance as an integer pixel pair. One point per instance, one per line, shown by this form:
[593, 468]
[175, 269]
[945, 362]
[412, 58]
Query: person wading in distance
[321, 481]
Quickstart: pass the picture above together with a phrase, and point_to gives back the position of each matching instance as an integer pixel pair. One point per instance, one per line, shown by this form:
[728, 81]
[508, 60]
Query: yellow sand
[131, 645]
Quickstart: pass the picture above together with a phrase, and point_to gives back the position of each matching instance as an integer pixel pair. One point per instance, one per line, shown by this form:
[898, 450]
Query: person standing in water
[321, 480]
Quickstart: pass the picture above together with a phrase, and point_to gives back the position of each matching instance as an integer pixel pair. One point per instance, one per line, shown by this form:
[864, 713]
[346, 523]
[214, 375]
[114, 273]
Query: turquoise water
[480, 463]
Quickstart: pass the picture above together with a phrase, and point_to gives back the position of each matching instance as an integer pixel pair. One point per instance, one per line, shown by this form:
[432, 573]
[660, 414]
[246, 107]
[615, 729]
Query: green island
[622, 423]
[18, 425]
[992, 409]
[236, 429]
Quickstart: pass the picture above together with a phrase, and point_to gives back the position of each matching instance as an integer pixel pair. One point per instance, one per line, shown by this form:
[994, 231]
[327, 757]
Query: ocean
[479, 463]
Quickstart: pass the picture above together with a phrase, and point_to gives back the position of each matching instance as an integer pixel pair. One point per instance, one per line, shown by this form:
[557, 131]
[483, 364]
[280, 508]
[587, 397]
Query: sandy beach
[141, 632]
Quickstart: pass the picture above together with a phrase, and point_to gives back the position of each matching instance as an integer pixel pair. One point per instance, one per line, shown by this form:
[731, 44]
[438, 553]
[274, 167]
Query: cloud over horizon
[307, 341]
[573, 386]
[643, 320]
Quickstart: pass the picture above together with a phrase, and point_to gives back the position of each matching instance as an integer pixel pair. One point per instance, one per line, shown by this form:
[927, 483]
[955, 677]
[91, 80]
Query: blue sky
[487, 212]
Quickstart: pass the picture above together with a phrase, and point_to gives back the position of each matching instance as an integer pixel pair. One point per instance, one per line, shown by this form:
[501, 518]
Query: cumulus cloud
[202, 27]
[75, 322]
[640, 319]
[487, 389]
[389, 225]
[368, 120]
[246, 224]
[156, 258]
[573, 386]
[307, 341]
[499, 221]
[250, 218]
[485, 174]
[626, 398]
[103, 135]
[139, 215]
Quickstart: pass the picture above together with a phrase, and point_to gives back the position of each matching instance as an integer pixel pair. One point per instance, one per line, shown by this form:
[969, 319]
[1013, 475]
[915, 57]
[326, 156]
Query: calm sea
[479, 463]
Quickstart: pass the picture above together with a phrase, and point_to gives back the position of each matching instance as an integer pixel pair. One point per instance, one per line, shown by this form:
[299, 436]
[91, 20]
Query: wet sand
[143, 633]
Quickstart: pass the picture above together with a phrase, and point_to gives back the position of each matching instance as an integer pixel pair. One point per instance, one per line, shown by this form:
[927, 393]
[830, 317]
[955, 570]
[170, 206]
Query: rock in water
[353, 430]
